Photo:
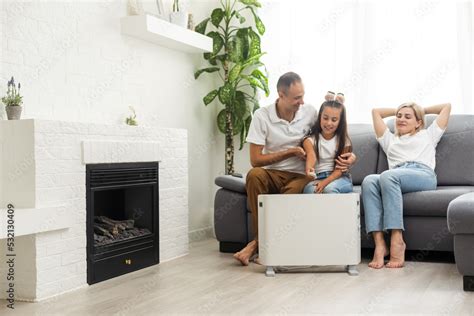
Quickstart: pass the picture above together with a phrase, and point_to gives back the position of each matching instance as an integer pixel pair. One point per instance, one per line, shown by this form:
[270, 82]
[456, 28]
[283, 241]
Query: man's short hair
[286, 80]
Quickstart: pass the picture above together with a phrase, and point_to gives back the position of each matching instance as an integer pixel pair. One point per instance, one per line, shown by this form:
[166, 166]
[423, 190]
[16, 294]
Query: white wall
[74, 65]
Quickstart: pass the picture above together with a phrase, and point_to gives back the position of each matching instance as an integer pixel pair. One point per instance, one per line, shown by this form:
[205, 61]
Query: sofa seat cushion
[231, 183]
[428, 203]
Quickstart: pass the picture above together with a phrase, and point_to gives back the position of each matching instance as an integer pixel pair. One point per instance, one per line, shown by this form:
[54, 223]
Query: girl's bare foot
[379, 253]
[243, 256]
[397, 255]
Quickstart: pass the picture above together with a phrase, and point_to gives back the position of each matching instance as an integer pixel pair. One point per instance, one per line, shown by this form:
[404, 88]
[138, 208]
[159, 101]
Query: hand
[345, 161]
[310, 172]
[319, 187]
[299, 152]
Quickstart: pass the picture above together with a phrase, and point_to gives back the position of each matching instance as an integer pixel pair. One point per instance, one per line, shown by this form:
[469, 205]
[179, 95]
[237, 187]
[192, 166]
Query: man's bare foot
[397, 255]
[379, 253]
[244, 255]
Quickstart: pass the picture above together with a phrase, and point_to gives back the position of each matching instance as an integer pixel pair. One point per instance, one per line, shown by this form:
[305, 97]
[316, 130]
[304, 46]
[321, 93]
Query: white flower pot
[179, 18]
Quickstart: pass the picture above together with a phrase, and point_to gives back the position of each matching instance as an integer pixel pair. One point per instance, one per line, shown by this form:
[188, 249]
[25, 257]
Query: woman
[411, 155]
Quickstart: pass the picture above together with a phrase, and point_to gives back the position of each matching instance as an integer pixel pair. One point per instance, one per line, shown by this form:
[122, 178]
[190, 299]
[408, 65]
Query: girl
[327, 140]
[411, 155]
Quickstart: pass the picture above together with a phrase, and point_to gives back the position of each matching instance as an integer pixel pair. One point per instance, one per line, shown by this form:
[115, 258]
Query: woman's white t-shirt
[420, 147]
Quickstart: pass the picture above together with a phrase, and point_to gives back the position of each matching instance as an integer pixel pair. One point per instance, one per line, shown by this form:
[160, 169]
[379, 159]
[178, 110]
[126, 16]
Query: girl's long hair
[341, 131]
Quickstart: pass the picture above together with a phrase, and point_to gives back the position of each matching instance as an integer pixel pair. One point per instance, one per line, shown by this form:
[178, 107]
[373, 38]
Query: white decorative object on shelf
[179, 18]
[155, 30]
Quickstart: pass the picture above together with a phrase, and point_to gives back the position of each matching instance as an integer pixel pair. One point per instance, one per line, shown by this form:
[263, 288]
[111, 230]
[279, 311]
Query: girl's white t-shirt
[327, 149]
[327, 153]
[420, 147]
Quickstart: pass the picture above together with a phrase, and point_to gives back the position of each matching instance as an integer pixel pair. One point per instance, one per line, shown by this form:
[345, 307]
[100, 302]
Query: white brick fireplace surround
[42, 168]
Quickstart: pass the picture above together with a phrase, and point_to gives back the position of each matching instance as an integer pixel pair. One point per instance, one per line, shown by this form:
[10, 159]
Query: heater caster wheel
[352, 270]
[270, 272]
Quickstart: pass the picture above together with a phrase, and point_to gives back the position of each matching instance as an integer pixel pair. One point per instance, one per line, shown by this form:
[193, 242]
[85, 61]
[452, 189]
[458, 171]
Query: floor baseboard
[201, 234]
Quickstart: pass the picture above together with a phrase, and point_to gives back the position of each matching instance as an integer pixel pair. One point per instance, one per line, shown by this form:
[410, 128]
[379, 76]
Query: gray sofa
[425, 213]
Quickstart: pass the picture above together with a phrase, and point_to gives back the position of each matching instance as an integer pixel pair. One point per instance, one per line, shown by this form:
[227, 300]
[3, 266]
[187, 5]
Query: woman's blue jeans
[340, 185]
[382, 194]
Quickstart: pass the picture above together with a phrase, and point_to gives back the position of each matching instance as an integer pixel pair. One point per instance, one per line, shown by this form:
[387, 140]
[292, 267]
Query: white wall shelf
[152, 29]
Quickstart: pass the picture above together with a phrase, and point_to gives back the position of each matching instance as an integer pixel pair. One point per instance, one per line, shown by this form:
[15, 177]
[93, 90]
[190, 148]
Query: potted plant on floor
[13, 100]
[236, 58]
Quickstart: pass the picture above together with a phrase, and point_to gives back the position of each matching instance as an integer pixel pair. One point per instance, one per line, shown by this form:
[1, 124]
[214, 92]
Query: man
[276, 154]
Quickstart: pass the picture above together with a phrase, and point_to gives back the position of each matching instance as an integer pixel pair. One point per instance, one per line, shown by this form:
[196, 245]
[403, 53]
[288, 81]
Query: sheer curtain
[379, 53]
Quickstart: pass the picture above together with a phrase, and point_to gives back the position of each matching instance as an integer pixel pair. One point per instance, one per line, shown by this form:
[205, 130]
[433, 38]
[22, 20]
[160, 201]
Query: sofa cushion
[455, 151]
[427, 203]
[432, 203]
[231, 183]
[365, 147]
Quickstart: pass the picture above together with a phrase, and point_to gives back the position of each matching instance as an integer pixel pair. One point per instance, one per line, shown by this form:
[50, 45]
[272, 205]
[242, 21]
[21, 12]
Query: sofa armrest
[231, 183]
[461, 214]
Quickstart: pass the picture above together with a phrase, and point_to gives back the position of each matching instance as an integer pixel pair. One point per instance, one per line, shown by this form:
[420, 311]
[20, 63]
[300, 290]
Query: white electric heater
[309, 230]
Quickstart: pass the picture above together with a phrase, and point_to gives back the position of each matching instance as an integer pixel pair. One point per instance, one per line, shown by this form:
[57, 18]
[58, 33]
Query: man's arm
[345, 161]
[258, 159]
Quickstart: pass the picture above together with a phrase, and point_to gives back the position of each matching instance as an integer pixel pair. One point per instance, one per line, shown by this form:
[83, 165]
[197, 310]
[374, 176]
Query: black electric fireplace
[122, 218]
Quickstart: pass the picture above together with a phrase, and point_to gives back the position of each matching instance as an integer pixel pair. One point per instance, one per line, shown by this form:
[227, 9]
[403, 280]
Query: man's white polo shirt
[276, 134]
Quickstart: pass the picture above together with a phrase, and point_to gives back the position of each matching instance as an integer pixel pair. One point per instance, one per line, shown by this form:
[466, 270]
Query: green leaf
[251, 2]
[254, 43]
[217, 42]
[254, 82]
[235, 50]
[241, 110]
[245, 132]
[242, 137]
[216, 16]
[225, 93]
[210, 96]
[221, 123]
[209, 70]
[234, 72]
[212, 61]
[253, 60]
[240, 17]
[258, 22]
[244, 38]
[263, 80]
[201, 27]
[236, 125]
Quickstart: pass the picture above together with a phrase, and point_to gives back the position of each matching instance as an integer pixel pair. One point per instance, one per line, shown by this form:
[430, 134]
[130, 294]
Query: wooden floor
[209, 282]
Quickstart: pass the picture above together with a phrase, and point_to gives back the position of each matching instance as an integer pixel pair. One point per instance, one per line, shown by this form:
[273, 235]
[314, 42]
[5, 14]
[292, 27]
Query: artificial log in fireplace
[122, 219]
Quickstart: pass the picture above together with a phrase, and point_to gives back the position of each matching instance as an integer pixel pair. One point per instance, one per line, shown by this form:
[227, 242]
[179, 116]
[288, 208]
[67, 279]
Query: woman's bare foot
[379, 253]
[244, 255]
[397, 255]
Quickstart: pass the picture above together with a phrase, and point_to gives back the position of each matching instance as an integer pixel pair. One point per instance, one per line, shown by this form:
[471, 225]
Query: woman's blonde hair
[419, 113]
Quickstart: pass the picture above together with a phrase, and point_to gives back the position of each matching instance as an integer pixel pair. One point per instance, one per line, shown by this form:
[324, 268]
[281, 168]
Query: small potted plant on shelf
[13, 100]
[178, 16]
[132, 119]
